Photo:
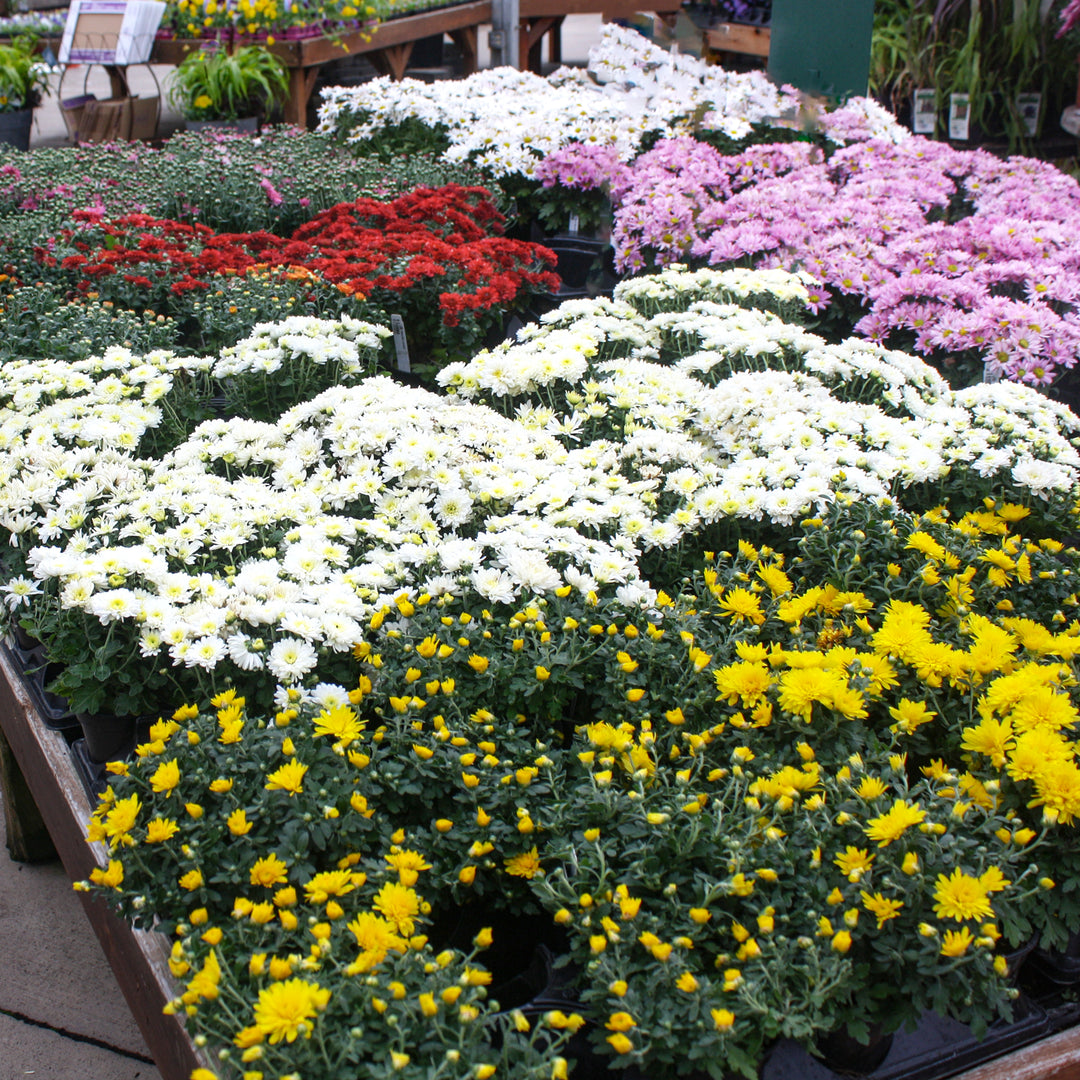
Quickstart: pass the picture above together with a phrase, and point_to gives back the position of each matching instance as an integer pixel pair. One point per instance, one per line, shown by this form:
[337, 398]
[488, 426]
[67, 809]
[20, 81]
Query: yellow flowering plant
[207, 18]
[979, 637]
[337, 974]
[781, 782]
[790, 897]
[296, 910]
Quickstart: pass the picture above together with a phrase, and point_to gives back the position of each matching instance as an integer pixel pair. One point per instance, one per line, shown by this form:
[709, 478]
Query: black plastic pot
[15, 128]
[93, 775]
[1016, 958]
[36, 673]
[844, 1055]
[586, 265]
[1059, 966]
[22, 640]
[107, 737]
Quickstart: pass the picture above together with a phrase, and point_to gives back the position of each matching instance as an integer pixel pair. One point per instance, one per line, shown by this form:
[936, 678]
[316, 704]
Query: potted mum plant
[23, 82]
[232, 90]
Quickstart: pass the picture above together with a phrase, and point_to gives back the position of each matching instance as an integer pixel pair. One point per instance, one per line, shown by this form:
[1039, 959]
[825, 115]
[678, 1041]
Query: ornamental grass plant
[24, 78]
[221, 85]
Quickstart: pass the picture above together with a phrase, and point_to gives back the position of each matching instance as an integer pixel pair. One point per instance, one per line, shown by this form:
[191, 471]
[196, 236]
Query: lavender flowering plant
[957, 255]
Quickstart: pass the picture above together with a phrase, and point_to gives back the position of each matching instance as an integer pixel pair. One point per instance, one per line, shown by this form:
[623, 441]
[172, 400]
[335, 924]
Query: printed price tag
[924, 112]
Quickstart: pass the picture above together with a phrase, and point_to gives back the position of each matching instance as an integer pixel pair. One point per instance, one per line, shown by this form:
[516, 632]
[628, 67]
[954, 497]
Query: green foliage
[23, 77]
[992, 51]
[39, 323]
[221, 85]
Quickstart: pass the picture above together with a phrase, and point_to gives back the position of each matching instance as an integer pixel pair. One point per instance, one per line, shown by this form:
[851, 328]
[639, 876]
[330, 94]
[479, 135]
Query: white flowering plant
[734, 415]
[256, 547]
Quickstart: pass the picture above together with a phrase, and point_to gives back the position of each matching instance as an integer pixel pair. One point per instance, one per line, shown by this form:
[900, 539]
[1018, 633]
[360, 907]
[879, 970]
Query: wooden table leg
[392, 60]
[466, 39]
[555, 42]
[531, 41]
[301, 83]
[28, 839]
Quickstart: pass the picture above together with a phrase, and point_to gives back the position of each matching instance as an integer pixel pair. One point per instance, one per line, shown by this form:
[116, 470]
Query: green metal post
[822, 46]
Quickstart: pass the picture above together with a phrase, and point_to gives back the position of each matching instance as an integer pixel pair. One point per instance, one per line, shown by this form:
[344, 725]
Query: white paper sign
[117, 32]
[401, 343]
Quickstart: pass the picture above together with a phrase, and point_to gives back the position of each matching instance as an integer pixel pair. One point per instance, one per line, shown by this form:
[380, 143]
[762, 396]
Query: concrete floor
[62, 1016]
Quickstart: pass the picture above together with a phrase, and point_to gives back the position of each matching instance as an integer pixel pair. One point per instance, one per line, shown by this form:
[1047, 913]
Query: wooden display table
[738, 38]
[545, 17]
[388, 45]
[139, 958]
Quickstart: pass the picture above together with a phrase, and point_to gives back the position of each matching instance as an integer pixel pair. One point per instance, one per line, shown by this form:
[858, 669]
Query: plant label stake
[959, 117]
[924, 112]
[1028, 106]
[401, 345]
[575, 223]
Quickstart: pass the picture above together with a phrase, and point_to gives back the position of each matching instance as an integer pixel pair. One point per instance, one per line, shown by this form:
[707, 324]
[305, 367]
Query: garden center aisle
[579, 34]
[61, 1013]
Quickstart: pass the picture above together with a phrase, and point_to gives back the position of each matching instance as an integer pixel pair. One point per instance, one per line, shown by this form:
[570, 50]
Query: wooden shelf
[540, 18]
[389, 46]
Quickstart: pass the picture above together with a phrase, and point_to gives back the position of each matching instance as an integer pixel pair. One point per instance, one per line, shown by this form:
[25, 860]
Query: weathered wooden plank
[1054, 1058]
[138, 959]
[609, 9]
[27, 837]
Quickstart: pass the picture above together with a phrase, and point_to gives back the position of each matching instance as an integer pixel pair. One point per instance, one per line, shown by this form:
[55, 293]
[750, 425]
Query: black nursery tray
[33, 668]
[936, 1049]
[94, 777]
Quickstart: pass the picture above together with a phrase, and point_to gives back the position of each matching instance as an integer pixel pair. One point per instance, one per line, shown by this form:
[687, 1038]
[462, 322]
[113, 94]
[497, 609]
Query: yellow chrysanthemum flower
[288, 778]
[285, 1010]
[894, 823]
[960, 896]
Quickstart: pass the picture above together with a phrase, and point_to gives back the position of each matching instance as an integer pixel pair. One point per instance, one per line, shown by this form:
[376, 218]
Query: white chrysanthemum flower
[290, 659]
[19, 591]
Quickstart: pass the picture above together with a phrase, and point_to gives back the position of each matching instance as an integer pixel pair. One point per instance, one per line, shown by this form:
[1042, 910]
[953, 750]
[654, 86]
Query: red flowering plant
[436, 256]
